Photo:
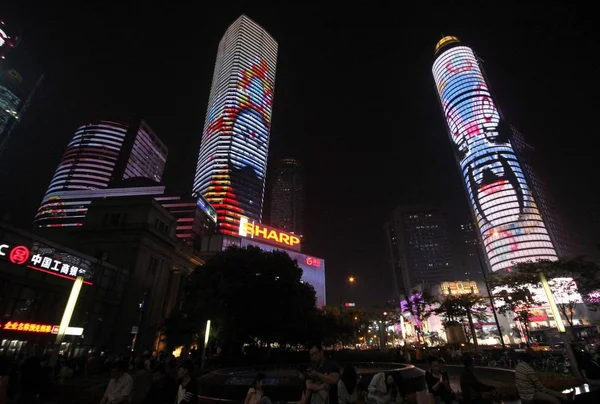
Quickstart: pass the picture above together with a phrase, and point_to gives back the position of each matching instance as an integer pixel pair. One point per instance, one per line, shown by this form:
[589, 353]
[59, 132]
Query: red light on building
[313, 262]
[29, 327]
[19, 255]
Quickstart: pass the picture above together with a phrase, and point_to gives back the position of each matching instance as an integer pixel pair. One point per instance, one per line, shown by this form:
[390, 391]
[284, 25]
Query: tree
[469, 306]
[512, 292]
[421, 306]
[250, 296]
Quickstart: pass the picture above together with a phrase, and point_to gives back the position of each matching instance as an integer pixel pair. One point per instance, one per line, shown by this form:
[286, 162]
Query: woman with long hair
[257, 391]
[347, 386]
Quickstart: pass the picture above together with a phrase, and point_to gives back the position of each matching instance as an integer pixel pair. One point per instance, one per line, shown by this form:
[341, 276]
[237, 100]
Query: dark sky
[354, 101]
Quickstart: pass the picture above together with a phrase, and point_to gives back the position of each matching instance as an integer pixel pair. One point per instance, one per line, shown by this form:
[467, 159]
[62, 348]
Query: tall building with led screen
[232, 162]
[508, 218]
[100, 153]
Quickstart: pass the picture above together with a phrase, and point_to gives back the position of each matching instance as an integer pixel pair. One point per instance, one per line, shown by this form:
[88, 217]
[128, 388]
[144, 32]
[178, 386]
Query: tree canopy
[249, 295]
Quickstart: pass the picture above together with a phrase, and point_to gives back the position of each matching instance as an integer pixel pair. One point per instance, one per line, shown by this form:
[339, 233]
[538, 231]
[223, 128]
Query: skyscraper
[419, 246]
[287, 196]
[100, 153]
[502, 201]
[232, 162]
[564, 240]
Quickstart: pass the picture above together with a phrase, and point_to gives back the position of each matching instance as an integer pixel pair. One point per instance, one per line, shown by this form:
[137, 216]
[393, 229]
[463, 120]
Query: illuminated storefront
[506, 212]
[232, 162]
[36, 277]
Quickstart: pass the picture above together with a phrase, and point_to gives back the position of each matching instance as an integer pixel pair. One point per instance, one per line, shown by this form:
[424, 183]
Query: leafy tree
[512, 291]
[469, 306]
[421, 306]
[250, 296]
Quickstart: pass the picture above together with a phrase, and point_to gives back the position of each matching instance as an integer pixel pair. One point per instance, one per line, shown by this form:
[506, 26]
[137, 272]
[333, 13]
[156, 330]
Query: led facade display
[232, 162]
[507, 215]
[100, 152]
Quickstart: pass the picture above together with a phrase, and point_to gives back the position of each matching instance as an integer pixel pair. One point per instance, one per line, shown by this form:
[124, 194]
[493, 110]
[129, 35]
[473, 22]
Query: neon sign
[31, 327]
[40, 328]
[313, 262]
[268, 234]
[43, 262]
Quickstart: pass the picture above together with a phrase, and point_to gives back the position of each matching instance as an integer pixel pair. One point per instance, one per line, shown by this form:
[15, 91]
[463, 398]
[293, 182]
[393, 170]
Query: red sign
[19, 255]
[313, 262]
[30, 327]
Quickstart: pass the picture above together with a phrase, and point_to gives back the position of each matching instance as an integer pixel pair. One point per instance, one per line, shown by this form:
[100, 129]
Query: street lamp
[350, 280]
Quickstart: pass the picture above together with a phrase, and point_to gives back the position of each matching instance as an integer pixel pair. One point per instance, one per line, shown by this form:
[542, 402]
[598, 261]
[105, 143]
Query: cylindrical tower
[502, 202]
[232, 162]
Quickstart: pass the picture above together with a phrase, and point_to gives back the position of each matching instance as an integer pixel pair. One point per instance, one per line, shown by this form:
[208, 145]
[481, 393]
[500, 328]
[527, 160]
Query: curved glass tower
[232, 162]
[509, 220]
[100, 152]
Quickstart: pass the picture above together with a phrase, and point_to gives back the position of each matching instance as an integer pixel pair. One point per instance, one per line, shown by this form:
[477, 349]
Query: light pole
[349, 280]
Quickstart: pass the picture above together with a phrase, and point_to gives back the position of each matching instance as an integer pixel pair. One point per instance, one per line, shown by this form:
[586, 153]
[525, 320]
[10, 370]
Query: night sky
[354, 101]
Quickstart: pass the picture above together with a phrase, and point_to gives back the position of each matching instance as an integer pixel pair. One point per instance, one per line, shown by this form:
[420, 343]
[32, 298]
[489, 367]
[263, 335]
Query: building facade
[36, 277]
[100, 154]
[287, 196]
[563, 238]
[419, 246]
[232, 162]
[502, 201]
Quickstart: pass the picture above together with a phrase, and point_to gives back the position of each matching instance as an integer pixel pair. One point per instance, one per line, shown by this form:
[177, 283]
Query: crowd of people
[44, 378]
[163, 379]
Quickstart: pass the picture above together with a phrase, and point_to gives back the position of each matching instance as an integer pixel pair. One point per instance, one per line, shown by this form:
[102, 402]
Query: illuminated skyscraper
[100, 152]
[287, 196]
[502, 200]
[420, 248]
[232, 162]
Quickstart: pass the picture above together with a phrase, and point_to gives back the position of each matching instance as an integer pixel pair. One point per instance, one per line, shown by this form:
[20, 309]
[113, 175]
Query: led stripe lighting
[508, 218]
[232, 162]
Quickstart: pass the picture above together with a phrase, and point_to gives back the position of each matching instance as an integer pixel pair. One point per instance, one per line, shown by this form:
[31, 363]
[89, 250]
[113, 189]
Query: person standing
[529, 386]
[324, 373]
[120, 385]
[187, 392]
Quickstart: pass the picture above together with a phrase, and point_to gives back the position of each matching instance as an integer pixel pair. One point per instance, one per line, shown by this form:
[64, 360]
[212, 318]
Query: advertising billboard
[313, 269]
[506, 213]
[266, 234]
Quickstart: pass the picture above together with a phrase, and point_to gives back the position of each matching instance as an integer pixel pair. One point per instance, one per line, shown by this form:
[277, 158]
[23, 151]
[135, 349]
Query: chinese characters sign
[30, 327]
[47, 259]
[268, 234]
[313, 262]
